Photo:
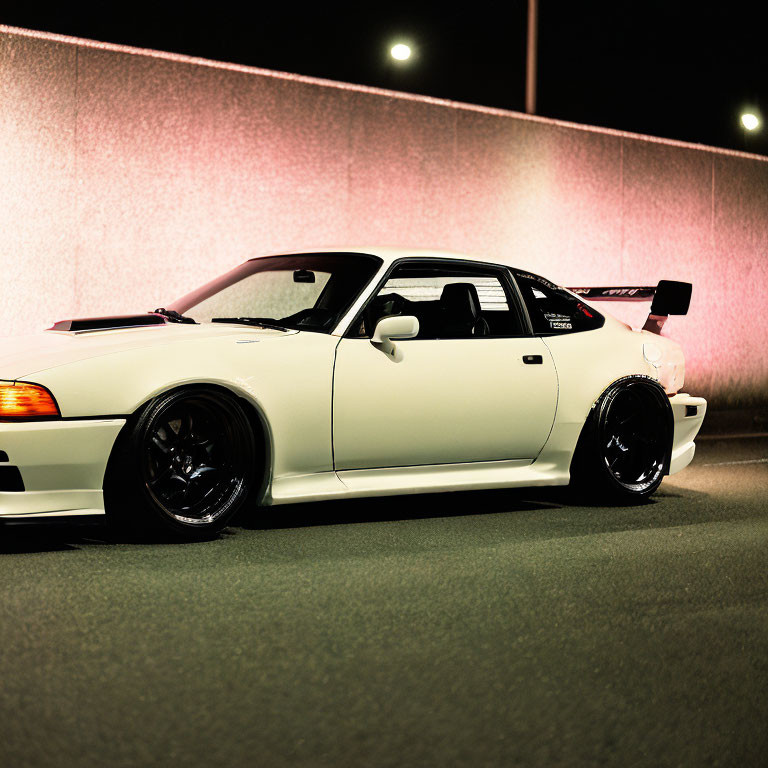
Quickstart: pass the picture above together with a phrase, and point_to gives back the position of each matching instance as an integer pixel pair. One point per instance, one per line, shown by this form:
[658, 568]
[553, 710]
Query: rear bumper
[688, 413]
[61, 463]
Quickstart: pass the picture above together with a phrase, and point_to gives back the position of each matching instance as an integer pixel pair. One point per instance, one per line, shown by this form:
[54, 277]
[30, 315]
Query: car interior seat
[461, 307]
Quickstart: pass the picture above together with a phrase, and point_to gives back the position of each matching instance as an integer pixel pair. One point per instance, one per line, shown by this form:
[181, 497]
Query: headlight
[21, 400]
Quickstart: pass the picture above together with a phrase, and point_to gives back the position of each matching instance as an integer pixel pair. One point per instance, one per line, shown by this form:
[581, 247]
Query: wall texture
[130, 177]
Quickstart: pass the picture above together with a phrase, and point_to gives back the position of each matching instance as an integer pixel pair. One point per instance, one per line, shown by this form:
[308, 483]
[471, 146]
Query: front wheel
[184, 464]
[623, 451]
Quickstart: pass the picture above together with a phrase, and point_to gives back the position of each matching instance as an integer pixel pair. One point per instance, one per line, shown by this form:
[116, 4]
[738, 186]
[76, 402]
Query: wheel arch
[623, 381]
[253, 410]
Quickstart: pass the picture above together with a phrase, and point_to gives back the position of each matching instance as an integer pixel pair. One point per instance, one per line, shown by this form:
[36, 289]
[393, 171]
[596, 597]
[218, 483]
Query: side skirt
[390, 481]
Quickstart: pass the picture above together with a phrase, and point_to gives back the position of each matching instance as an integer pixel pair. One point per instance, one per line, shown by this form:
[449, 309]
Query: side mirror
[397, 327]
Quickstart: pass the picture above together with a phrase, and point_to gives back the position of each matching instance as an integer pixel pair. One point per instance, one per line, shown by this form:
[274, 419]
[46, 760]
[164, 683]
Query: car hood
[22, 356]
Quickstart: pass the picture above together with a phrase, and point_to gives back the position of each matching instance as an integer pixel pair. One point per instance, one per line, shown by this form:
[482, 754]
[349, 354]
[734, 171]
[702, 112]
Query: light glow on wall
[132, 177]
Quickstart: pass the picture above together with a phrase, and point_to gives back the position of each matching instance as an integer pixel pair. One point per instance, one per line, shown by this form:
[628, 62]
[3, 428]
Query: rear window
[553, 310]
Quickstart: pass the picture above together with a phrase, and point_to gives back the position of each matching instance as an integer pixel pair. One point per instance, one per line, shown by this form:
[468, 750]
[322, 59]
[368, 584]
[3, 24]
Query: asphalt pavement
[473, 629]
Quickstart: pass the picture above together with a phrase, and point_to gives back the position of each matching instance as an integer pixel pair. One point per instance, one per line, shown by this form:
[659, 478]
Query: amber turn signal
[26, 401]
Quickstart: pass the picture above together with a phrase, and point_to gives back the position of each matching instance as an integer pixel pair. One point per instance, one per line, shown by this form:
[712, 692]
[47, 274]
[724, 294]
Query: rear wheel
[185, 464]
[624, 448]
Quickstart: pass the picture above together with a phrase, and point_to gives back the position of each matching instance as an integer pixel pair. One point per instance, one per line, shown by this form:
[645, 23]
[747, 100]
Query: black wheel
[185, 463]
[623, 452]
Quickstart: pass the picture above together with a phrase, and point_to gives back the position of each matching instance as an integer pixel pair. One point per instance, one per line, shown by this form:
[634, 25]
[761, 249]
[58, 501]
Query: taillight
[26, 401]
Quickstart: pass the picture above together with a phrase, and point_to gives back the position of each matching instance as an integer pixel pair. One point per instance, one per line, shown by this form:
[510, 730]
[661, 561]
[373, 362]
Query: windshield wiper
[250, 321]
[173, 316]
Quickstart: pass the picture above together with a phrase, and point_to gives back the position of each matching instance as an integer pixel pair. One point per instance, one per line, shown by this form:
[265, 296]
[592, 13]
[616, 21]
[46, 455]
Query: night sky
[681, 70]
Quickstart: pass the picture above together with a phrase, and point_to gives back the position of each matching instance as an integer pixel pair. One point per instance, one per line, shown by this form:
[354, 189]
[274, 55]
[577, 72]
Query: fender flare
[253, 412]
[591, 421]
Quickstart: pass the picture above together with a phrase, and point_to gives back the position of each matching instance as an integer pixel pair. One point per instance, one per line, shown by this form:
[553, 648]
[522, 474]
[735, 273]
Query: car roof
[389, 254]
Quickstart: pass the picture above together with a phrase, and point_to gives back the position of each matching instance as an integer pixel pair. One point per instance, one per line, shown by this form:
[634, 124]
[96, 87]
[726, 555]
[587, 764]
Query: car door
[474, 385]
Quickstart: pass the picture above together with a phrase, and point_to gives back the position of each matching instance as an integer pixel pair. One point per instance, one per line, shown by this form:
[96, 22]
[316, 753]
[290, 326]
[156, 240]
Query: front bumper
[61, 463]
[688, 413]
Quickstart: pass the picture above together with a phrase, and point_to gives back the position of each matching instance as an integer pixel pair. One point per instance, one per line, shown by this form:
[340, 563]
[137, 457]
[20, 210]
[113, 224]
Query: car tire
[184, 464]
[624, 449]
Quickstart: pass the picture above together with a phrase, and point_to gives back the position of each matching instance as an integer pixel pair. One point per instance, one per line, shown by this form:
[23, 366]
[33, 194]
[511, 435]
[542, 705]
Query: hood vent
[108, 323]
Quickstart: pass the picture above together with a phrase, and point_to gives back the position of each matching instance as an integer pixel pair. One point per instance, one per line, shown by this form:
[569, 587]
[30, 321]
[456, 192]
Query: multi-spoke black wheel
[186, 463]
[624, 448]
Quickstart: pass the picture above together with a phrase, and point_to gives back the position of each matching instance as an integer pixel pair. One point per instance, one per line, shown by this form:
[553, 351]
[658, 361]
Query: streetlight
[400, 52]
[750, 121]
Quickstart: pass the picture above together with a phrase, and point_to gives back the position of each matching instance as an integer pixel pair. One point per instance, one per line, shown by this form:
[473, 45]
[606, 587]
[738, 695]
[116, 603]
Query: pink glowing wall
[130, 177]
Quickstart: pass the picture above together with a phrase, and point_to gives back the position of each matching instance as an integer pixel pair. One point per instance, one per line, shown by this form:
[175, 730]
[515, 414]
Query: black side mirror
[671, 298]
[303, 276]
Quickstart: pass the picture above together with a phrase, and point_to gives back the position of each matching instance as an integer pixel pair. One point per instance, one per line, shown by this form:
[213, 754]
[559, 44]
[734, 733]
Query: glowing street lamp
[750, 121]
[400, 52]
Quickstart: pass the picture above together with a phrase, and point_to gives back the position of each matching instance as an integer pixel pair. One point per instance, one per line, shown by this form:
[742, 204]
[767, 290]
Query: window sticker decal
[537, 279]
[558, 322]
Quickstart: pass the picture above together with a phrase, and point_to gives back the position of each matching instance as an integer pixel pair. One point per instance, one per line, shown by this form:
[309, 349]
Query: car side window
[450, 302]
[554, 310]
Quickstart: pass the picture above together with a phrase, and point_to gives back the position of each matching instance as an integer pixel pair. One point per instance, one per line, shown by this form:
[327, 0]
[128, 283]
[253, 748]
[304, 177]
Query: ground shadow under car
[530, 513]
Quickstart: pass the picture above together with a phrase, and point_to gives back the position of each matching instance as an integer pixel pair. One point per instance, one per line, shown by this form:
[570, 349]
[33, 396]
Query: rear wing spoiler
[626, 293]
[669, 297]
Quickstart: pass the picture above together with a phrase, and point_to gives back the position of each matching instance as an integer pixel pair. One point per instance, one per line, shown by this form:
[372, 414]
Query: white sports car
[338, 374]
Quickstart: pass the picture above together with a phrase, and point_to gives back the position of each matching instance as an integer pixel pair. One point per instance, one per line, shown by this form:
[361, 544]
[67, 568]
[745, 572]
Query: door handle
[533, 359]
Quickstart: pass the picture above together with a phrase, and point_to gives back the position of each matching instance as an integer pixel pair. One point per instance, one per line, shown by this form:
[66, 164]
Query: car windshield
[308, 292]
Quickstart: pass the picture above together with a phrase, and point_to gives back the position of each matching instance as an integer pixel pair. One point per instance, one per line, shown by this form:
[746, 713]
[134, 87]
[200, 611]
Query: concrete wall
[129, 177]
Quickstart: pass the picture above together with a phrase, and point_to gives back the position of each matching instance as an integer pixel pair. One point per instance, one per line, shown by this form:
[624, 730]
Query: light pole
[530, 77]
